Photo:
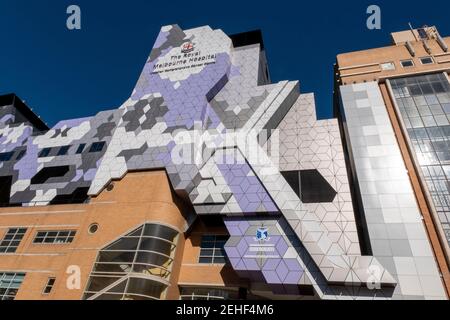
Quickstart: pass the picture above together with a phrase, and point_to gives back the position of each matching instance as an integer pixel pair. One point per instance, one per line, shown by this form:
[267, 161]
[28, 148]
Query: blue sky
[66, 74]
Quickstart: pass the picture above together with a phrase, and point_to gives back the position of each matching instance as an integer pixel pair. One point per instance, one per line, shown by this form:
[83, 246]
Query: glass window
[426, 60]
[6, 156]
[212, 249]
[407, 63]
[49, 286]
[20, 155]
[206, 294]
[11, 240]
[44, 152]
[387, 66]
[63, 150]
[160, 231]
[54, 237]
[97, 147]
[10, 284]
[81, 148]
[147, 251]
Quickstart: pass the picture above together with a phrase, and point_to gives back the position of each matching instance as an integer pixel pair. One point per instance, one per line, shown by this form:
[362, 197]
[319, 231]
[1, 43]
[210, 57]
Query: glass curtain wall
[424, 105]
[135, 267]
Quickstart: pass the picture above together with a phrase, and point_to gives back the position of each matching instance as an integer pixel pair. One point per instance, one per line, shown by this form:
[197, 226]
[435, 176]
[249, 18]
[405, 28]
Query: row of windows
[430, 133]
[14, 236]
[428, 121]
[211, 252]
[187, 293]
[388, 66]
[410, 63]
[62, 151]
[7, 156]
[10, 283]
[54, 237]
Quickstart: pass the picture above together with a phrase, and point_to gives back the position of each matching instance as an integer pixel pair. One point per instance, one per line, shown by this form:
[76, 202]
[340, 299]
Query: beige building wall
[138, 198]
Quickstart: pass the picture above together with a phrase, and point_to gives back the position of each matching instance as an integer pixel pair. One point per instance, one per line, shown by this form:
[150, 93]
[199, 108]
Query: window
[97, 146]
[148, 252]
[12, 239]
[48, 173]
[206, 294]
[63, 150]
[10, 284]
[310, 186]
[49, 286]
[81, 148]
[426, 60]
[54, 237]
[212, 249]
[21, 155]
[6, 156]
[93, 228]
[388, 66]
[5, 190]
[407, 63]
[44, 152]
[79, 195]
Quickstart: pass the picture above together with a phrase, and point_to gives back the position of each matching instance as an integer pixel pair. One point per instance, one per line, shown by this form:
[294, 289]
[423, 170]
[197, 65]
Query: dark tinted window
[63, 150]
[81, 148]
[310, 186]
[21, 155]
[426, 60]
[212, 249]
[407, 63]
[97, 147]
[6, 156]
[49, 172]
[44, 152]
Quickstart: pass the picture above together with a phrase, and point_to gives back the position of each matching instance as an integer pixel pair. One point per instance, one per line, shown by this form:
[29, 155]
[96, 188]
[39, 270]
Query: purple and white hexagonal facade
[232, 143]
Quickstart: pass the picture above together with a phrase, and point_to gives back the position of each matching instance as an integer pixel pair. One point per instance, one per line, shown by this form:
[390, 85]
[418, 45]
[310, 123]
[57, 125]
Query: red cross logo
[187, 47]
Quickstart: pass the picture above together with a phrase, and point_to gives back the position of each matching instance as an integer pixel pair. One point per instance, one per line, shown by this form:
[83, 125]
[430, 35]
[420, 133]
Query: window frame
[16, 236]
[44, 153]
[13, 284]
[427, 57]
[6, 156]
[154, 271]
[70, 236]
[80, 148]
[21, 155]
[49, 286]
[407, 60]
[94, 147]
[63, 151]
[214, 249]
[386, 63]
